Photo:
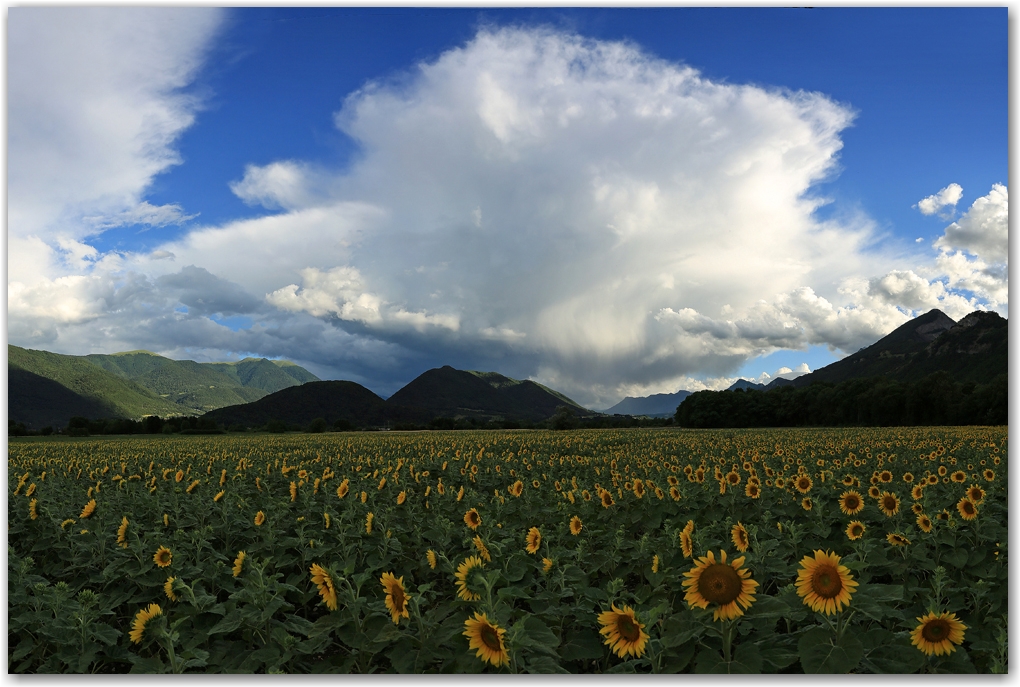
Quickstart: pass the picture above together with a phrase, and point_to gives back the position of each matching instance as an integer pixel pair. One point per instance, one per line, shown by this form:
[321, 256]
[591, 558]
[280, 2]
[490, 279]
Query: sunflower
[401, 497]
[889, 503]
[824, 584]
[967, 509]
[848, 480]
[322, 578]
[430, 556]
[917, 492]
[933, 479]
[958, 476]
[483, 550]
[686, 544]
[487, 637]
[88, 510]
[239, 562]
[850, 503]
[534, 483]
[293, 491]
[976, 494]
[732, 478]
[142, 619]
[803, 484]
[516, 489]
[166, 520]
[344, 487]
[260, 518]
[655, 563]
[547, 564]
[625, 635]
[780, 482]
[924, 522]
[885, 477]
[122, 533]
[937, 634]
[638, 488]
[607, 498]
[989, 475]
[32, 512]
[575, 525]
[396, 596]
[163, 557]
[727, 585]
[855, 530]
[534, 540]
[917, 509]
[179, 476]
[806, 503]
[368, 523]
[874, 492]
[191, 487]
[586, 495]
[472, 519]
[897, 539]
[65, 523]
[739, 536]
[464, 570]
[168, 588]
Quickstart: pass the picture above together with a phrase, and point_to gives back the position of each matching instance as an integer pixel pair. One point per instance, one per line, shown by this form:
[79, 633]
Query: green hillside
[299, 405]
[111, 395]
[264, 375]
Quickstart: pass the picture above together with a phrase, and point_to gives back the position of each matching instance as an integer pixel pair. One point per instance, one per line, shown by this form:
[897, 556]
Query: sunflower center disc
[628, 630]
[720, 584]
[826, 582]
[489, 637]
[935, 630]
[398, 599]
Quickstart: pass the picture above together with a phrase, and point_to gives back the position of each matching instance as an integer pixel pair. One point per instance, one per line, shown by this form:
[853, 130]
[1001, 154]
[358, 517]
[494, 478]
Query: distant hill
[137, 383]
[656, 405]
[744, 384]
[75, 386]
[446, 392]
[929, 371]
[971, 350]
[438, 393]
[299, 405]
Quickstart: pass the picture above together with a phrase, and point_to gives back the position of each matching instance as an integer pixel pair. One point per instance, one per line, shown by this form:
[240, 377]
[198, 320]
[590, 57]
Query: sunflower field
[590, 551]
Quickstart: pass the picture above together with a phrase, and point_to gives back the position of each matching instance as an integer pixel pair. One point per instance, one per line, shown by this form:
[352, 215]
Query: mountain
[744, 384]
[971, 350]
[656, 405]
[299, 405]
[441, 392]
[446, 392]
[72, 386]
[137, 383]
[929, 371]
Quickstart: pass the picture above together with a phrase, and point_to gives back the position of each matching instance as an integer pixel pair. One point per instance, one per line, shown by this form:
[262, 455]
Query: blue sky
[373, 192]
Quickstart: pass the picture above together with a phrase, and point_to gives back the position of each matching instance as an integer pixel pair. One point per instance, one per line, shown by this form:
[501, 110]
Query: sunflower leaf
[820, 653]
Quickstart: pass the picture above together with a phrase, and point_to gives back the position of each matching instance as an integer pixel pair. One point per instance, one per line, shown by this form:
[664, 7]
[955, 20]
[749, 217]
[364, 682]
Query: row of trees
[874, 401]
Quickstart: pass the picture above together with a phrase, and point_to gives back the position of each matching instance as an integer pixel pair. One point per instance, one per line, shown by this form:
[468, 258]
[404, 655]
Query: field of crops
[648, 551]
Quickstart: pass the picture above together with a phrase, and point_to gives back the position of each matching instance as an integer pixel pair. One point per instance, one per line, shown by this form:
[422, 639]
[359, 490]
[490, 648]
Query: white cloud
[947, 197]
[983, 230]
[535, 202]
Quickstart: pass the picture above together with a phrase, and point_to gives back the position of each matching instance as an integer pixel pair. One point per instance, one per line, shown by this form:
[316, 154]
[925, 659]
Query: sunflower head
[739, 536]
[534, 540]
[547, 564]
[924, 523]
[975, 494]
[727, 586]
[917, 492]
[430, 555]
[168, 588]
[472, 519]
[163, 557]
[464, 575]
[824, 584]
[624, 634]
[607, 498]
[486, 638]
[260, 518]
[850, 503]
[239, 563]
[806, 503]
[576, 525]
[938, 634]
[855, 530]
[142, 619]
[803, 484]
[967, 509]
[889, 503]
[896, 539]
[396, 596]
[324, 581]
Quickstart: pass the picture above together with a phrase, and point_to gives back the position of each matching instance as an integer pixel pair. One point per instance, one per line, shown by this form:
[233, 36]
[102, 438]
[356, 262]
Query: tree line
[936, 399]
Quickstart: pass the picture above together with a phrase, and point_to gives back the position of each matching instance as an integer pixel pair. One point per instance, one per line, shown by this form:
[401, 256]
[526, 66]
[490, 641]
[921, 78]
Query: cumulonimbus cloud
[570, 210]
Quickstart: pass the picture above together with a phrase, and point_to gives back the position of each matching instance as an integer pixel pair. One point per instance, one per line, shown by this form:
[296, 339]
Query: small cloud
[919, 240]
[143, 213]
[947, 197]
[161, 255]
